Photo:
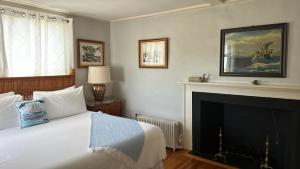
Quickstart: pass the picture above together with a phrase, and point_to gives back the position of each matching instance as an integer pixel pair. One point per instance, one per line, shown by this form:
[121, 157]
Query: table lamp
[98, 76]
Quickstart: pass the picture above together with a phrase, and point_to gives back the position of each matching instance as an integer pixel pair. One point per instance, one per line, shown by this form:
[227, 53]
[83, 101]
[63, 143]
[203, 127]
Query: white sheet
[63, 144]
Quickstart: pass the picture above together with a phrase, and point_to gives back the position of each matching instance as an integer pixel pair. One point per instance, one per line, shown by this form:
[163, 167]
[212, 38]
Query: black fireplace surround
[246, 122]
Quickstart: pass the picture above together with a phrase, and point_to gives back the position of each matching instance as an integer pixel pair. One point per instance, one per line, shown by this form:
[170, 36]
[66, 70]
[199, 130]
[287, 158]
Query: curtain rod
[34, 14]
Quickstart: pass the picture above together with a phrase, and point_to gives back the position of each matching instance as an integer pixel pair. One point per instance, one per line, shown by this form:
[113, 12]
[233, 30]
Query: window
[34, 44]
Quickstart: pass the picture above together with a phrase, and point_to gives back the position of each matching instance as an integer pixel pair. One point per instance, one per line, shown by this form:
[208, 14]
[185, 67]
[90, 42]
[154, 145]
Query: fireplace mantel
[245, 89]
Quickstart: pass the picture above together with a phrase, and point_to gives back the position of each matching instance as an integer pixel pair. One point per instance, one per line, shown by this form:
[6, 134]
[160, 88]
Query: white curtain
[3, 61]
[35, 44]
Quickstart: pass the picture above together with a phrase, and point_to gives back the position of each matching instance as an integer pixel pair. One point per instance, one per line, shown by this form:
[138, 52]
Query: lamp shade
[99, 74]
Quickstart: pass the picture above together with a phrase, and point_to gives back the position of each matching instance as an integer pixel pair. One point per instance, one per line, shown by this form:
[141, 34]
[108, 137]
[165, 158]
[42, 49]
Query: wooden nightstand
[112, 107]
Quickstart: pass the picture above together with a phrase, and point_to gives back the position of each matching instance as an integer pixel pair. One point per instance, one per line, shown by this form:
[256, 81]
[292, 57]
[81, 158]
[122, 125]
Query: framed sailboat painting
[256, 51]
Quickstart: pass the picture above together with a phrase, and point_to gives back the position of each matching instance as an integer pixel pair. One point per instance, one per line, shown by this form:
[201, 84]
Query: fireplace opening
[246, 122]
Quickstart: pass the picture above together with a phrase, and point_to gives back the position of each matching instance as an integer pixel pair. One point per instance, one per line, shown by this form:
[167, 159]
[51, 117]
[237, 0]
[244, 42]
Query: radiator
[171, 129]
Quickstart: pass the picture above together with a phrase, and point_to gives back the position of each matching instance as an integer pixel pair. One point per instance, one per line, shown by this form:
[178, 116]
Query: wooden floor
[181, 159]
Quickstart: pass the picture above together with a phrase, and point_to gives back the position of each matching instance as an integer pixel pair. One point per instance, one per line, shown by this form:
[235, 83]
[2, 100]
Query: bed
[64, 143]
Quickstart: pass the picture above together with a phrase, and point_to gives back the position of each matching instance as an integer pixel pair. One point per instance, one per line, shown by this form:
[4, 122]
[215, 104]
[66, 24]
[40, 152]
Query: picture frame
[256, 51]
[90, 53]
[153, 53]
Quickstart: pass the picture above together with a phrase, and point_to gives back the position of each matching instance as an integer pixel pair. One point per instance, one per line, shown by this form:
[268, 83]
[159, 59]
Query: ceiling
[114, 10]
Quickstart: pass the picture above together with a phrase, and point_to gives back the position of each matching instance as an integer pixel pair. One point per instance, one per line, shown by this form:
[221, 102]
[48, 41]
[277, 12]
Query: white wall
[86, 28]
[194, 49]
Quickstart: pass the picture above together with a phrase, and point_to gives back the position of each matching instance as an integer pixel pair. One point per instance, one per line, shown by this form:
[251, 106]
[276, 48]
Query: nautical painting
[90, 53]
[258, 51]
[153, 53]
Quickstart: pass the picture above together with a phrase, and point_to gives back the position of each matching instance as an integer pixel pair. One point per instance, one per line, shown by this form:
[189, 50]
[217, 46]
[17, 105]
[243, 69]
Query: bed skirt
[159, 165]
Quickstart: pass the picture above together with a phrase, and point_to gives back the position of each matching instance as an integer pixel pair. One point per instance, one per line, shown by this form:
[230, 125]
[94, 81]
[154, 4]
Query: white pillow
[9, 116]
[64, 103]
[2, 95]
[51, 92]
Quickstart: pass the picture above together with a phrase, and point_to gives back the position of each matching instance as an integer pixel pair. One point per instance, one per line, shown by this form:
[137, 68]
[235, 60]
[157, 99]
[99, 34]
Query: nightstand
[112, 106]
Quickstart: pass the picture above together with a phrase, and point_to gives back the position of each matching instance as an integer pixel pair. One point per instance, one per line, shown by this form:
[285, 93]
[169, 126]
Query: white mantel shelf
[248, 85]
[233, 88]
[248, 89]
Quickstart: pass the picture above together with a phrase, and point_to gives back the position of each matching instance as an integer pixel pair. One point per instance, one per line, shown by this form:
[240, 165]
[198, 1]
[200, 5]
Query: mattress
[64, 144]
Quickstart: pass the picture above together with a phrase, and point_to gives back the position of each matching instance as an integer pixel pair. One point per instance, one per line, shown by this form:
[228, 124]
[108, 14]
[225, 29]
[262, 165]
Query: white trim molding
[163, 13]
[209, 3]
[35, 5]
[246, 89]
[204, 4]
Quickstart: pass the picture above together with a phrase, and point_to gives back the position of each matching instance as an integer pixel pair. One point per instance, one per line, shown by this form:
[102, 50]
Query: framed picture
[153, 53]
[90, 53]
[257, 51]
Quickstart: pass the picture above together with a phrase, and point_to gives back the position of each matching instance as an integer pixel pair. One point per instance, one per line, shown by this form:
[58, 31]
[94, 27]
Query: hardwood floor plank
[181, 159]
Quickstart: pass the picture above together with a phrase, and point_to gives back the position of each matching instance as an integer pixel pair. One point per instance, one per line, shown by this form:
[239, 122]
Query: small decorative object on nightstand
[112, 107]
[98, 76]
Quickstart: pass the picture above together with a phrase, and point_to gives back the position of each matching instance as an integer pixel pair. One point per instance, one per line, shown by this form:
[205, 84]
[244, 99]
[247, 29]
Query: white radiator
[171, 129]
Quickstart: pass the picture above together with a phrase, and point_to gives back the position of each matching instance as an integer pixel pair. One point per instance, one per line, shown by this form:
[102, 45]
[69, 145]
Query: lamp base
[99, 91]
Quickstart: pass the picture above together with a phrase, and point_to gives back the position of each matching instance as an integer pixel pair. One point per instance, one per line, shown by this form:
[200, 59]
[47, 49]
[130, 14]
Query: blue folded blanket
[111, 134]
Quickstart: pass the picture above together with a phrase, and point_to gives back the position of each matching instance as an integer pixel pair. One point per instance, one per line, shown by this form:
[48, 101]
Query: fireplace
[246, 121]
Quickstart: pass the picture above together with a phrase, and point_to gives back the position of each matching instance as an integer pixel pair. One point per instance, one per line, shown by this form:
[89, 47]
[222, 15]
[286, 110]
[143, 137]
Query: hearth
[246, 121]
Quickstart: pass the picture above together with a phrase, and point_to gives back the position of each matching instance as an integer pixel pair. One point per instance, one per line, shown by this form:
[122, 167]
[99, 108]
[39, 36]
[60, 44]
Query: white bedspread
[64, 144]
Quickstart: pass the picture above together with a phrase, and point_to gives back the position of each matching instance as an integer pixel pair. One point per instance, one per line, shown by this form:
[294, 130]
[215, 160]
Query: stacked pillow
[8, 113]
[46, 105]
[62, 103]
[2, 95]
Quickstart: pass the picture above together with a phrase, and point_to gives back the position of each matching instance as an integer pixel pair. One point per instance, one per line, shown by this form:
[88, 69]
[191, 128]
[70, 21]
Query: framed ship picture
[153, 53]
[90, 53]
[257, 51]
